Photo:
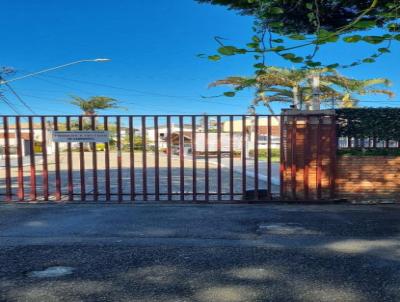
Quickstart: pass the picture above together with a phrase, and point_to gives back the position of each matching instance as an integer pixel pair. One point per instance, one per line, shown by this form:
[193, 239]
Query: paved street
[213, 253]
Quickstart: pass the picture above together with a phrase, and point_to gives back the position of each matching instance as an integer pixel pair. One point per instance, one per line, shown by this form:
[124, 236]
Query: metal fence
[147, 157]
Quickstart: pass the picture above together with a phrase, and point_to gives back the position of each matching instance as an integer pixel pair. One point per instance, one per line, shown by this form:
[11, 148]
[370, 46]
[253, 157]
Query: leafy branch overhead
[286, 28]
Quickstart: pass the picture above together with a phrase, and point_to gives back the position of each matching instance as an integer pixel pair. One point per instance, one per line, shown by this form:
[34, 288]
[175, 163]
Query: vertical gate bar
[181, 160]
[206, 170]
[219, 176]
[7, 159]
[45, 172]
[244, 138]
[69, 163]
[318, 159]
[82, 163]
[33, 193]
[282, 164]
[194, 158]
[157, 160]
[94, 164]
[57, 163]
[255, 153]
[144, 154]
[21, 193]
[132, 157]
[169, 154]
[107, 162]
[307, 152]
[293, 169]
[269, 131]
[119, 160]
[333, 157]
[231, 155]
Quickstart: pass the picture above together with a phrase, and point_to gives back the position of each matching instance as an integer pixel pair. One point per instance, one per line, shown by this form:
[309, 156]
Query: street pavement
[219, 253]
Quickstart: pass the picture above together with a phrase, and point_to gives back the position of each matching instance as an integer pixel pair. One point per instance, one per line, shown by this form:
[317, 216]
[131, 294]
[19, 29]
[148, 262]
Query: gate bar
[57, 164]
[206, 170]
[181, 160]
[219, 176]
[82, 163]
[255, 153]
[194, 158]
[119, 159]
[269, 131]
[21, 193]
[45, 172]
[33, 193]
[107, 162]
[7, 159]
[132, 158]
[169, 151]
[231, 186]
[69, 163]
[94, 163]
[144, 154]
[156, 160]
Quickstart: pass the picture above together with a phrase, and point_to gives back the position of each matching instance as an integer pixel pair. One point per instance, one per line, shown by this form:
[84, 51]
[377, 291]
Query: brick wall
[368, 177]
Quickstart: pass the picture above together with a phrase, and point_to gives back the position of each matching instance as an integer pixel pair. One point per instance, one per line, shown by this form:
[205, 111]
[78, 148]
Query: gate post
[308, 157]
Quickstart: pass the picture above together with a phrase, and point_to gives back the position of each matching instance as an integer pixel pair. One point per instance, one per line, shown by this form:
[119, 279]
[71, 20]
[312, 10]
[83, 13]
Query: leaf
[277, 40]
[333, 66]
[352, 39]
[276, 10]
[201, 55]
[227, 50]
[313, 64]
[259, 65]
[297, 60]
[309, 6]
[229, 94]
[277, 49]
[368, 60]
[297, 37]
[364, 24]
[256, 39]
[373, 39]
[397, 37]
[276, 24]
[214, 58]
[289, 56]
[384, 50]
[253, 45]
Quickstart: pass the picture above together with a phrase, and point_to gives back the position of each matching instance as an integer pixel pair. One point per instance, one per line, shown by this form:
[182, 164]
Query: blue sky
[153, 47]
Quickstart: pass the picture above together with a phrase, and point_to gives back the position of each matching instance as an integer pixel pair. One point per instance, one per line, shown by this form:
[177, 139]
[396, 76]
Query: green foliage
[91, 105]
[379, 123]
[312, 24]
[262, 154]
[369, 152]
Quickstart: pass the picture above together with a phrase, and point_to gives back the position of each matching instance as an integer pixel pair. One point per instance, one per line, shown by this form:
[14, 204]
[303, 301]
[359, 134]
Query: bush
[370, 152]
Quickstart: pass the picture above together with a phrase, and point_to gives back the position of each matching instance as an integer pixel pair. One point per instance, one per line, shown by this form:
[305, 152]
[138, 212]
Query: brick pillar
[309, 154]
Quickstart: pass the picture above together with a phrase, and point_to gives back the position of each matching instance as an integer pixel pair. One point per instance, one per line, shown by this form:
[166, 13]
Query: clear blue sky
[153, 47]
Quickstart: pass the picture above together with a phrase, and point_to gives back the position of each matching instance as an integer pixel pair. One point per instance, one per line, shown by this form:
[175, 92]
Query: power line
[9, 104]
[19, 98]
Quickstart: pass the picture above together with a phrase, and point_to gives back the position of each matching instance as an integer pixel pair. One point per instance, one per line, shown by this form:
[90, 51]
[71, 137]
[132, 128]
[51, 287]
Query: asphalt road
[200, 253]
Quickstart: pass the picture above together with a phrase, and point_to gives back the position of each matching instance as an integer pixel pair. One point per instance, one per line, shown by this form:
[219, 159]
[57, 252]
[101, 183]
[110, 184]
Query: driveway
[204, 253]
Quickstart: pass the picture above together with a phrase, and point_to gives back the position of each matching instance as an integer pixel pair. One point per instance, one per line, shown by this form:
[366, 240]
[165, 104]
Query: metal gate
[185, 158]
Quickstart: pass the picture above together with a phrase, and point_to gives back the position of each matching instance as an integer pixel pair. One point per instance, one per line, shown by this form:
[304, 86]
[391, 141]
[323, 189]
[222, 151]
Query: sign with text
[81, 136]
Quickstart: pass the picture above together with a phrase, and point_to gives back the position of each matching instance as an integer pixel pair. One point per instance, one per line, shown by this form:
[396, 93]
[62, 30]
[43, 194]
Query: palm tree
[294, 86]
[91, 105]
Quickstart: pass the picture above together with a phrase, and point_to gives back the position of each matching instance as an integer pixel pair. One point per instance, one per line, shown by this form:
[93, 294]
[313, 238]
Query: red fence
[170, 157]
[203, 158]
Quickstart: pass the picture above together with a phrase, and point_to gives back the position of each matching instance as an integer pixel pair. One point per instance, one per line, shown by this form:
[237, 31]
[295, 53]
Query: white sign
[81, 136]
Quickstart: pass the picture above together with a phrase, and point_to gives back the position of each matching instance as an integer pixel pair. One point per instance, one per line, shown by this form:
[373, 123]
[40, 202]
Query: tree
[333, 14]
[91, 105]
[287, 28]
[294, 86]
